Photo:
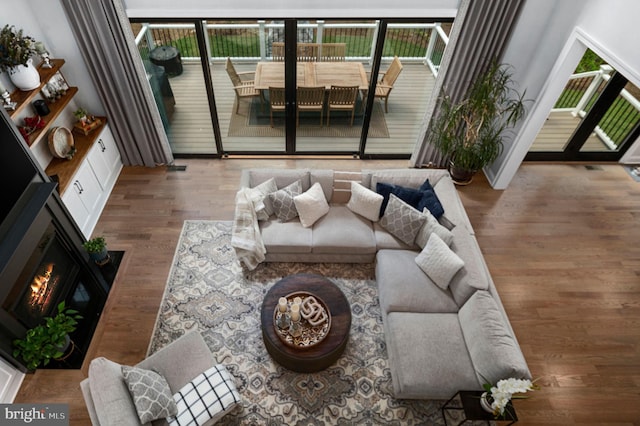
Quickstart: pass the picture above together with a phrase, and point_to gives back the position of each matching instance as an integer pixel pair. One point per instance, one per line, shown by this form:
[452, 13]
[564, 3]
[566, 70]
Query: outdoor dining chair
[276, 101]
[309, 99]
[244, 88]
[342, 98]
[386, 82]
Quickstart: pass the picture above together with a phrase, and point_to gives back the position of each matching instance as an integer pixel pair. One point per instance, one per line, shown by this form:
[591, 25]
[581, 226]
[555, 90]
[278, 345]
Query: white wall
[556, 40]
[259, 9]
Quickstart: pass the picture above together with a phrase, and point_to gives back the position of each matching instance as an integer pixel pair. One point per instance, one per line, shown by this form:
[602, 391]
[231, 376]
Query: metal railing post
[262, 40]
[373, 45]
[430, 46]
[148, 36]
[319, 35]
[595, 83]
[207, 42]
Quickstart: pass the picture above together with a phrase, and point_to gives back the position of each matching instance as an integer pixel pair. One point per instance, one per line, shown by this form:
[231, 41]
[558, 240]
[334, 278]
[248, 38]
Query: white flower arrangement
[505, 390]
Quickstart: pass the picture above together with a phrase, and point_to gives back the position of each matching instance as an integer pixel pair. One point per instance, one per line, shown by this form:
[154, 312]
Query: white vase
[25, 78]
[485, 404]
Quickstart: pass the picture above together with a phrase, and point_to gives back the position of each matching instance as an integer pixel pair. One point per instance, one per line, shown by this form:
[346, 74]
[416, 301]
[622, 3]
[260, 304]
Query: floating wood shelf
[23, 98]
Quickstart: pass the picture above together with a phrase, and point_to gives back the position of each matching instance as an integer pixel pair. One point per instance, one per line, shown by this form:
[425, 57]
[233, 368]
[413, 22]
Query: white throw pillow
[257, 194]
[311, 205]
[432, 226]
[402, 220]
[365, 202]
[439, 262]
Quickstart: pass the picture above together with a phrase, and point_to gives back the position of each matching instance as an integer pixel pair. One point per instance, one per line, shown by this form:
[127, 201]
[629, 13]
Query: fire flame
[40, 284]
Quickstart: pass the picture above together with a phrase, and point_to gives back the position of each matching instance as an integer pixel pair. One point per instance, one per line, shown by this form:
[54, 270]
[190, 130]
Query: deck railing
[252, 42]
[582, 91]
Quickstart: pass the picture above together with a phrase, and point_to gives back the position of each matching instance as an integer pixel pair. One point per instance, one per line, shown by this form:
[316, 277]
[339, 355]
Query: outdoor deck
[191, 131]
[557, 130]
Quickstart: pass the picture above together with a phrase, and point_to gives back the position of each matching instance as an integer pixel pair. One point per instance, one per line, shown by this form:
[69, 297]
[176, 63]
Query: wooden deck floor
[556, 132]
[191, 130]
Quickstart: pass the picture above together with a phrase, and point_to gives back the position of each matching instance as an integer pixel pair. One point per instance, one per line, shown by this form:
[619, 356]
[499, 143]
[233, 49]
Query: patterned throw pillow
[401, 220]
[282, 201]
[210, 395]
[439, 262]
[150, 393]
[432, 226]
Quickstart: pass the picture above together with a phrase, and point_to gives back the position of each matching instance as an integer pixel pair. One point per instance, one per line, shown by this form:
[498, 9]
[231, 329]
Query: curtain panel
[102, 31]
[479, 35]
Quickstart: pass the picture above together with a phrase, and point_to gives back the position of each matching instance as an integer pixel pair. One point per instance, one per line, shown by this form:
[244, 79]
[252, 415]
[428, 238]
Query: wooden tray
[311, 335]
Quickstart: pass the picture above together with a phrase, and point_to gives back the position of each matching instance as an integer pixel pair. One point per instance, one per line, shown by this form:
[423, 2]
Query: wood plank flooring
[562, 244]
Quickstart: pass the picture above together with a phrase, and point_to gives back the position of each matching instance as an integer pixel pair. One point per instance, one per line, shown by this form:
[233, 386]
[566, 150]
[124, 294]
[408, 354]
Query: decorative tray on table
[315, 321]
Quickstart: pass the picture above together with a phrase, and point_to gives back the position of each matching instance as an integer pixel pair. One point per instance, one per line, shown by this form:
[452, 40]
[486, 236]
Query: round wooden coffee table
[326, 352]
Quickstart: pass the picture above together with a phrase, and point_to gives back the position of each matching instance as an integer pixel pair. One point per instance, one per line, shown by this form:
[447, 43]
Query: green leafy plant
[45, 342]
[80, 112]
[15, 48]
[470, 132]
[95, 245]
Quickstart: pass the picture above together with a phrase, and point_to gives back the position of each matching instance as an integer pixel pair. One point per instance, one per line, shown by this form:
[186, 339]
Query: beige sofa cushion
[403, 287]
[287, 237]
[494, 351]
[427, 355]
[110, 395]
[343, 231]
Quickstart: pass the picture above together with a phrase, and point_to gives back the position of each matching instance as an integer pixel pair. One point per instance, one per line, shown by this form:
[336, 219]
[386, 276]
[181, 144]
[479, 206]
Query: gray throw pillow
[282, 201]
[402, 220]
[430, 227]
[439, 262]
[258, 194]
[150, 393]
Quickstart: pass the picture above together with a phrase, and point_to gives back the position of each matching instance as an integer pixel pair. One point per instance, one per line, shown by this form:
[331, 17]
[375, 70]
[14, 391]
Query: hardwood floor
[562, 244]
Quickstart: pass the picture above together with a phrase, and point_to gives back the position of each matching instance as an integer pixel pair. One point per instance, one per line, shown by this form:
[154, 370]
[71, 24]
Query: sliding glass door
[177, 73]
[271, 87]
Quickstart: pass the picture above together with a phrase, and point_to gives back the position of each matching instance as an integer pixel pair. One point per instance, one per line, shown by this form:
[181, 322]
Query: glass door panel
[330, 62]
[172, 59]
[244, 107]
[410, 59]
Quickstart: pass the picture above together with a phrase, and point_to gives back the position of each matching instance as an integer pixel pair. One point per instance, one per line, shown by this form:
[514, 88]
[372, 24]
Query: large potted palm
[470, 132]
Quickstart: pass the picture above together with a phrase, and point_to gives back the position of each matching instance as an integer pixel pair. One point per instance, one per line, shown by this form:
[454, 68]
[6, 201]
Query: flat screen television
[16, 168]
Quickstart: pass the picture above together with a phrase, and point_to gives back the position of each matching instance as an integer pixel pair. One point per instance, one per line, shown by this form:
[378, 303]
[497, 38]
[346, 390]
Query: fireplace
[41, 266]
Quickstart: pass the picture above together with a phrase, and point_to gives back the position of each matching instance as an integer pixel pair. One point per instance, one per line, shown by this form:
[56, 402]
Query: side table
[468, 402]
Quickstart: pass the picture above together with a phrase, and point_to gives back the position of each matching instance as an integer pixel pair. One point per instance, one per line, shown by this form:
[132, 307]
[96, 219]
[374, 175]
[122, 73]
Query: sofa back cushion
[473, 276]
[494, 351]
[325, 178]
[283, 177]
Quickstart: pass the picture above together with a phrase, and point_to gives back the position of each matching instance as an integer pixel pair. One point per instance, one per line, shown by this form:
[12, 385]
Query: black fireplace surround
[42, 261]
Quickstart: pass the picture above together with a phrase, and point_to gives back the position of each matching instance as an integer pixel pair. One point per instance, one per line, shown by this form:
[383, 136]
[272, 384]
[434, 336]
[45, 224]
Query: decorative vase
[25, 77]
[485, 403]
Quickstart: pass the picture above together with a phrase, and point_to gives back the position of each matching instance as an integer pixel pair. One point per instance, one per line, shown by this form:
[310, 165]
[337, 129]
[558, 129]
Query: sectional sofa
[445, 326]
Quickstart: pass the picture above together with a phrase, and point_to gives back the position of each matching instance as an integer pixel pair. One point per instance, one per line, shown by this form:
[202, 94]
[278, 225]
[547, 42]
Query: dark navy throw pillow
[420, 198]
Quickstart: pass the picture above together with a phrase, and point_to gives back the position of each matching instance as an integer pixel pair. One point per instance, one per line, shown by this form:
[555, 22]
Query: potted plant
[97, 249]
[470, 132]
[81, 115]
[16, 50]
[49, 340]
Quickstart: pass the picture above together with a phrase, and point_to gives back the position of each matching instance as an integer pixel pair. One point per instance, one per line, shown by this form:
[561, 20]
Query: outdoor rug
[208, 291]
[253, 120]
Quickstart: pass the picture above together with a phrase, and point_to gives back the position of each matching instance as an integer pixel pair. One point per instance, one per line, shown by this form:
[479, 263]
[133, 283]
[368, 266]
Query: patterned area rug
[208, 291]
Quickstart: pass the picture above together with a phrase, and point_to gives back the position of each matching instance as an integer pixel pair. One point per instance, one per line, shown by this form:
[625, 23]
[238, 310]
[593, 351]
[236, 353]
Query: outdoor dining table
[312, 74]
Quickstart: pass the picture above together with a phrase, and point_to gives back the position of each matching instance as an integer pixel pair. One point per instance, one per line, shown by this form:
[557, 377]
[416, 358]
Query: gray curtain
[104, 36]
[479, 35]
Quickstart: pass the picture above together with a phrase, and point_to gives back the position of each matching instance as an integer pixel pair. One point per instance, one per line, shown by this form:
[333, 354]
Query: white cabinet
[104, 158]
[91, 185]
[82, 197]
